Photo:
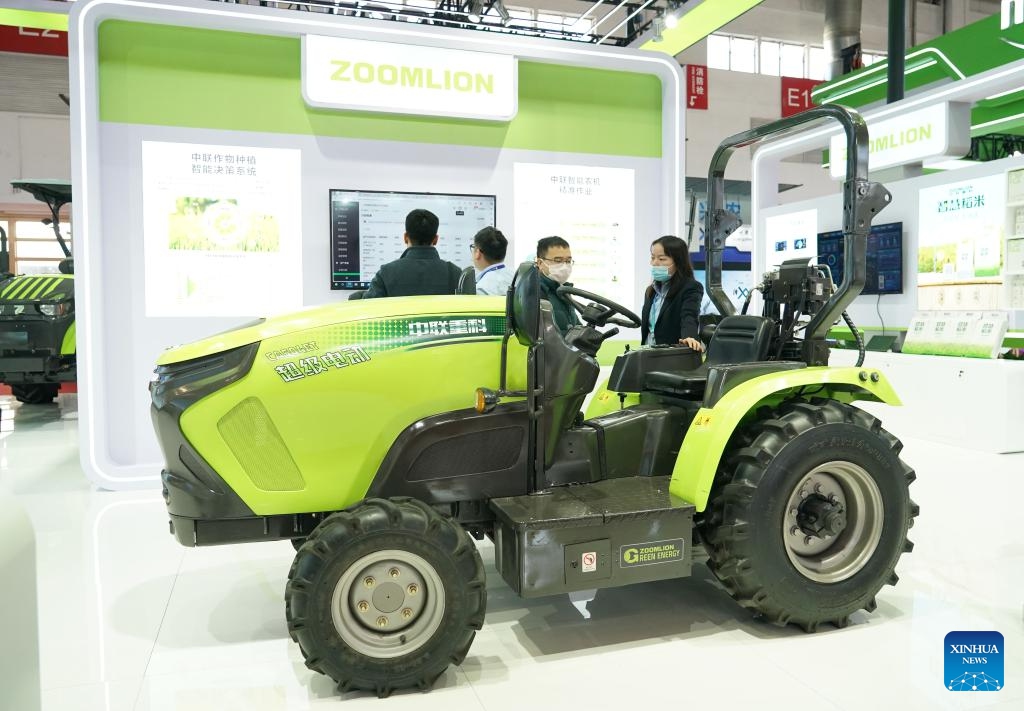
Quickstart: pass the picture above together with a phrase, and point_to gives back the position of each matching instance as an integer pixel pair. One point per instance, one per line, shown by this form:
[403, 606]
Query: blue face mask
[660, 273]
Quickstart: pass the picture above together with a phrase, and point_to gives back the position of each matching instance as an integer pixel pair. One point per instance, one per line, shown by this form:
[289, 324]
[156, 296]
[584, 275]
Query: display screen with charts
[367, 228]
[884, 257]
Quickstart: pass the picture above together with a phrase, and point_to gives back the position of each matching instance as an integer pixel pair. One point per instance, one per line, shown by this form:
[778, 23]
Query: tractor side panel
[68, 346]
[308, 427]
[711, 429]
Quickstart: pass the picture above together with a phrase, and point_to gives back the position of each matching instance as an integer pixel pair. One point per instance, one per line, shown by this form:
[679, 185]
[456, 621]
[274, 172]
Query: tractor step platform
[609, 533]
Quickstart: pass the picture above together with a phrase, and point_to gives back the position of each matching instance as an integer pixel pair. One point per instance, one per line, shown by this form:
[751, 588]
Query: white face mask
[560, 272]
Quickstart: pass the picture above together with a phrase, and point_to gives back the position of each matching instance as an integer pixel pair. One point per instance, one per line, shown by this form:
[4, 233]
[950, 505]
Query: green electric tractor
[37, 312]
[382, 436]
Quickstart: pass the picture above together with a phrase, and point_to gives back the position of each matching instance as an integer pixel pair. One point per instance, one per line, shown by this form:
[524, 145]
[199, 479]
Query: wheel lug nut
[369, 582]
[394, 572]
[794, 511]
[412, 589]
[807, 540]
[794, 530]
[407, 613]
[803, 493]
[382, 621]
[817, 488]
[363, 606]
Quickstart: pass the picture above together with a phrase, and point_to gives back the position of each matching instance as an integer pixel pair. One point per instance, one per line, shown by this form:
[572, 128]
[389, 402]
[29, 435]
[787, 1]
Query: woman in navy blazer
[672, 301]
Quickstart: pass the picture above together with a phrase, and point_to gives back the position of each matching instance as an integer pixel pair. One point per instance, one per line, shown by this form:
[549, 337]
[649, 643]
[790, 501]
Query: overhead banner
[358, 75]
[941, 130]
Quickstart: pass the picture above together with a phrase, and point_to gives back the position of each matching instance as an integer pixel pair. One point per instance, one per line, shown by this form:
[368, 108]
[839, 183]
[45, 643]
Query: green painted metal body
[711, 429]
[29, 292]
[339, 384]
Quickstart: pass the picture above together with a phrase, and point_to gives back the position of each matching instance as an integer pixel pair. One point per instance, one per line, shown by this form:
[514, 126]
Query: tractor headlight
[54, 310]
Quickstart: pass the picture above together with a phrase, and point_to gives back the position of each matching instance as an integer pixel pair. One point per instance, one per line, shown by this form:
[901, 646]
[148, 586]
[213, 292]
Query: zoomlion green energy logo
[345, 345]
[652, 553]
[413, 77]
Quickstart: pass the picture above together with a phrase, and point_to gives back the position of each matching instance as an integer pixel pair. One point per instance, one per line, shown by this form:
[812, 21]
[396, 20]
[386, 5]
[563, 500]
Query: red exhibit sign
[796, 95]
[32, 40]
[696, 87]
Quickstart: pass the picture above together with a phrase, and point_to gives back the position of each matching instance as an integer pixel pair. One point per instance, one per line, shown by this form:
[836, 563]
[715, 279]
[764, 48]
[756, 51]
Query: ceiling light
[671, 20]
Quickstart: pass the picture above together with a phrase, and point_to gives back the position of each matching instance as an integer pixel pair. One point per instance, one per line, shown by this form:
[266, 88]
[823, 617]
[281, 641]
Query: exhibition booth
[223, 179]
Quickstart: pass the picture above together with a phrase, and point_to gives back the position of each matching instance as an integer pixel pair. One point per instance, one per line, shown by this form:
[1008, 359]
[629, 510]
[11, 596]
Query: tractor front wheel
[385, 595]
[35, 394]
[810, 515]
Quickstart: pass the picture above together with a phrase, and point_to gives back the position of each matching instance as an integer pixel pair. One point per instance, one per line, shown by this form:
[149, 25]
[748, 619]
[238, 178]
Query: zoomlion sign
[942, 130]
[386, 77]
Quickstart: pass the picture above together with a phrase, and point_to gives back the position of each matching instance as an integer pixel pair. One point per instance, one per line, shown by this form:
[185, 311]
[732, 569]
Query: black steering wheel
[601, 311]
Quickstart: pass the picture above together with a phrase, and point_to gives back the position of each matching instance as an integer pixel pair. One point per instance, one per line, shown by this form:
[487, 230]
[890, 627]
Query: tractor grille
[488, 451]
[254, 440]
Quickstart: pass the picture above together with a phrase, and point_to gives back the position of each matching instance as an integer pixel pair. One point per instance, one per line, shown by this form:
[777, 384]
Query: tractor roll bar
[862, 200]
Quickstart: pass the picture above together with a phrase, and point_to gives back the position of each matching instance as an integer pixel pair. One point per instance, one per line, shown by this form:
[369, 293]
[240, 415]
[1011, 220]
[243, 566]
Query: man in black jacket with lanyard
[420, 269]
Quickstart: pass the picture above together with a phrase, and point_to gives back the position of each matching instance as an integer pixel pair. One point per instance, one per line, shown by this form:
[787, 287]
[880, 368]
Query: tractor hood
[334, 314]
[44, 288]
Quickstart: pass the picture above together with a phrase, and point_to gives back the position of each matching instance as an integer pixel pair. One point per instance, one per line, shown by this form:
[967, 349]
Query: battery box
[609, 533]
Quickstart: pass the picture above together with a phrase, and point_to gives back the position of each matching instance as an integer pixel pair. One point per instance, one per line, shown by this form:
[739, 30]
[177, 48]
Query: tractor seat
[737, 339]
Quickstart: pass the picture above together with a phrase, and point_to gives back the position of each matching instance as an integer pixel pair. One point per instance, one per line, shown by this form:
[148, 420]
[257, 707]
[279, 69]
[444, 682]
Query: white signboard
[791, 236]
[934, 131]
[593, 209]
[960, 231]
[222, 229]
[387, 77]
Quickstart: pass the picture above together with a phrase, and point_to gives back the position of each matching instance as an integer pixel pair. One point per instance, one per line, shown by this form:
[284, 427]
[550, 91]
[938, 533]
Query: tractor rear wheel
[810, 514]
[385, 595]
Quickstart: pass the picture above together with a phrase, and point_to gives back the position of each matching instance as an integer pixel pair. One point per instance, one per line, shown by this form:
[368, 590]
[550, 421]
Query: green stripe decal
[22, 287]
[38, 291]
[199, 78]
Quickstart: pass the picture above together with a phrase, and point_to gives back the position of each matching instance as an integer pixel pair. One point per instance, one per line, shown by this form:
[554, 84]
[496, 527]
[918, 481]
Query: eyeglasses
[559, 260]
[472, 247]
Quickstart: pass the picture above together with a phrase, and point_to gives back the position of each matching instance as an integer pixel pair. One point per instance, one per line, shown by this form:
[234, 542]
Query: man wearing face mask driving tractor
[554, 259]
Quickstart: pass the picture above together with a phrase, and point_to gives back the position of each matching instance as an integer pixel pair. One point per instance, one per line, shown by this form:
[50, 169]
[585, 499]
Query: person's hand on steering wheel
[692, 344]
[607, 311]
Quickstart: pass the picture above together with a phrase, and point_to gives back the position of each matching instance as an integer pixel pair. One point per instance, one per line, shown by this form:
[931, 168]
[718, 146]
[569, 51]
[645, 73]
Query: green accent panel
[199, 78]
[605, 401]
[698, 23]
[971, 50]
[68, 346]
[340, 383]
[711, 429]
[31, 18]
[612, 349]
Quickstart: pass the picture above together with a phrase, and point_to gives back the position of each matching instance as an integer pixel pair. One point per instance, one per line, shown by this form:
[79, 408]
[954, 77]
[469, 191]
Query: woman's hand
[692, 343]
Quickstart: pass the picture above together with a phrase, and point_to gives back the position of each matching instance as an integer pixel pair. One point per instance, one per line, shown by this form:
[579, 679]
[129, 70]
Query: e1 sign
[940, 130]
[796, 95]
[359, 75]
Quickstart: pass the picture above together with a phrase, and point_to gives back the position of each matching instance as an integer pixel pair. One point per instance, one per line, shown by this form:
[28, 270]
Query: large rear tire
[385, 596]
[807, 462]
[37, 394]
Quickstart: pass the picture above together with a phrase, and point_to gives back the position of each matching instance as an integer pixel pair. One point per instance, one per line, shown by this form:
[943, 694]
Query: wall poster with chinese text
[222, 229]
[593, 209]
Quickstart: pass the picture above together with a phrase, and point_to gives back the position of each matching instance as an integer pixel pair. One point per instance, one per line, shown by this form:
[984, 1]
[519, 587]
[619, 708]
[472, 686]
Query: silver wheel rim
[835, 558]
[388, 603]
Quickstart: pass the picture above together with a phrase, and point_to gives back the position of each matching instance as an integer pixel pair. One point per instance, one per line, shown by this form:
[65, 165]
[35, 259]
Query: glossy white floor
[131, 620]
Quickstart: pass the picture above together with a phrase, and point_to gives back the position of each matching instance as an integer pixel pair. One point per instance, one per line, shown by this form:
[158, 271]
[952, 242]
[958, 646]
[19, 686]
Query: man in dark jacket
[554, 259]
[420, 269]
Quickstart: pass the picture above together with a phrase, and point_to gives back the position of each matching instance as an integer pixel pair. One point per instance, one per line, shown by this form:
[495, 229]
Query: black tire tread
[729, 534]
[402, 514]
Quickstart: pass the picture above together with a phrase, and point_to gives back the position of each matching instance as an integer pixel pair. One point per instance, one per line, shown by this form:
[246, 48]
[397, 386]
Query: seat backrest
[522, 304]
[740, 339]
[467, 281]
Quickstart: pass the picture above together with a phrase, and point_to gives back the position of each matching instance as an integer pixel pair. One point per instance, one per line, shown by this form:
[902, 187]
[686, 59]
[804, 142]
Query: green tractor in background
[37, 313]
[346, 429]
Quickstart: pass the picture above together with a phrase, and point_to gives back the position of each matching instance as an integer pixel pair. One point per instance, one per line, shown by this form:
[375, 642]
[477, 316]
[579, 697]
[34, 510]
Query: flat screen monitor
[367, 228]
[884, 257]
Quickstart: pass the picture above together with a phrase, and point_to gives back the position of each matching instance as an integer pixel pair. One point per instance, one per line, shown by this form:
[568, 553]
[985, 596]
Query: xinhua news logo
[974, 661]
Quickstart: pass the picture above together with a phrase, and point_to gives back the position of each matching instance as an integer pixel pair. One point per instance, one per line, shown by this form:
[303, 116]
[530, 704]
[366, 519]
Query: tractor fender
[67, 347]
[711, 428]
